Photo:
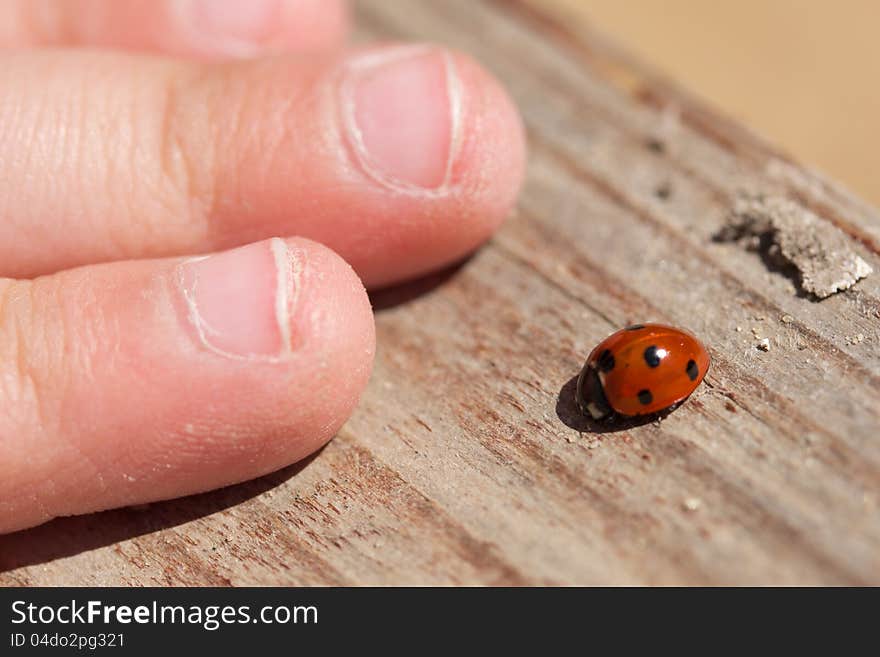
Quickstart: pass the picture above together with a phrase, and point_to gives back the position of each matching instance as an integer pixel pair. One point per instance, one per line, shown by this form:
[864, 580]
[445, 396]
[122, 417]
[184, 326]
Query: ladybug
[642, 369]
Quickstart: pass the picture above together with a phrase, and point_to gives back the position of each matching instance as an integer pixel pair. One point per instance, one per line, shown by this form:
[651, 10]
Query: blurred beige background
[805, 74]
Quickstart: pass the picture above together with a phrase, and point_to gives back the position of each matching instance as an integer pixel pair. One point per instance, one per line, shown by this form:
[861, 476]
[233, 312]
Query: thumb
[137, 381]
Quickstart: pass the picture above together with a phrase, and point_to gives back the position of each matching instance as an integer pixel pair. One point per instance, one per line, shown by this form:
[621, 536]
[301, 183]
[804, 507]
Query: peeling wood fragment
[796, 239]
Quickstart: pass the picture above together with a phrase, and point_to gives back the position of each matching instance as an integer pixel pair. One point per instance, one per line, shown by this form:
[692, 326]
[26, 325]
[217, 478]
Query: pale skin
[191, 204]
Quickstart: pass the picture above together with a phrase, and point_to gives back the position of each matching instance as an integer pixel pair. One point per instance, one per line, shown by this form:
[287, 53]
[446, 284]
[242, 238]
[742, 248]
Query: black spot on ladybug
[652, 358]
[606, 361]
[692, 370]
[645, 397]
[635, 327]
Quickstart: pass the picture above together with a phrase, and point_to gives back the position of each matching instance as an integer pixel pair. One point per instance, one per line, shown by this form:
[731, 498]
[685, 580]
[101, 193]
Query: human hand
[131, 368]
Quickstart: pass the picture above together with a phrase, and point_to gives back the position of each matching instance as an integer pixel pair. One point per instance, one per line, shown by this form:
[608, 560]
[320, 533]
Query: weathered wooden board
[466, 462]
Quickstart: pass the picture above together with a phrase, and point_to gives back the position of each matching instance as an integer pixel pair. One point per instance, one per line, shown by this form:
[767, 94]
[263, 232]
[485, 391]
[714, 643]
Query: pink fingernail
[242, 303]
[401, 108]
[234, 27]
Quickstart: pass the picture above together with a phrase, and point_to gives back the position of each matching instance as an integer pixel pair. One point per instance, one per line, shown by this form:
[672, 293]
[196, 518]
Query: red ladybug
[640, 370]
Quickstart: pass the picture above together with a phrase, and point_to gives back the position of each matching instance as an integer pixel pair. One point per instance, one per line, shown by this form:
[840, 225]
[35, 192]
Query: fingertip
[299, 344]
[341, 341]
[247, 417]
[436, 137]
[491, 164]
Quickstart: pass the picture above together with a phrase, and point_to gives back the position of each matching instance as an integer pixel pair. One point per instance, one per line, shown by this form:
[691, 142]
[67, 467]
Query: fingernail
[234, 27]
[401, 108]
[243, 303]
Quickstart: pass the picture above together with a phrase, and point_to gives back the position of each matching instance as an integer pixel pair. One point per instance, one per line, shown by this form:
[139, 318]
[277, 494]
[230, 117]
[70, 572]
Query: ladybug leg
[590, 396]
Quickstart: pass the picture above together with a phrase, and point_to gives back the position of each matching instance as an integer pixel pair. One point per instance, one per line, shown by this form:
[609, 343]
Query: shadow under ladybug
[571, 415]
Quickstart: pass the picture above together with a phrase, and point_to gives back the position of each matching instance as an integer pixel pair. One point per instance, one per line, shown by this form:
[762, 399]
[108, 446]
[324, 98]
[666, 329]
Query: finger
[400, 159]
[197, 28]
[136, 381]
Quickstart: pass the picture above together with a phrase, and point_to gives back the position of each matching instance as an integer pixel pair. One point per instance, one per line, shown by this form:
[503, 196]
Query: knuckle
[41, 357]
[22, 392]
[185, 155]
[153, 159]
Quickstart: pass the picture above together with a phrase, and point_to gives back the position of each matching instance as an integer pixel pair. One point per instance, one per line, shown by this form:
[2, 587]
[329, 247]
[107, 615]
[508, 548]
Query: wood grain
[466, 461]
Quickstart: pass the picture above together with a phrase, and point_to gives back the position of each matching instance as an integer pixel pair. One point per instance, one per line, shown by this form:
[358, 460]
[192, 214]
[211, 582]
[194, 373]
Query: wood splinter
[793, 236]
